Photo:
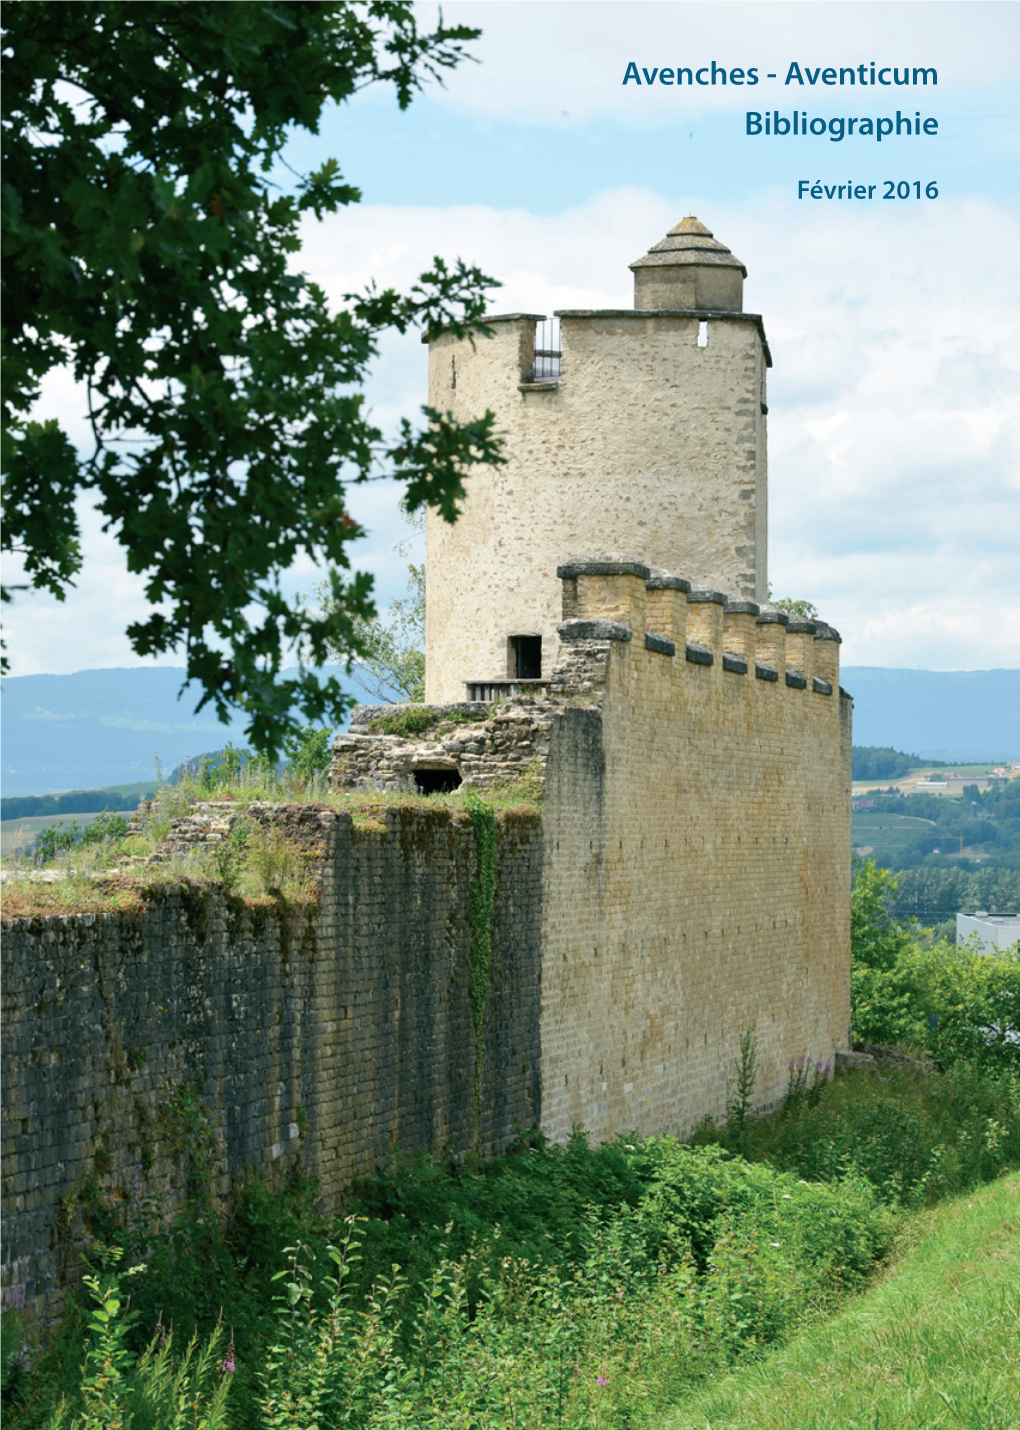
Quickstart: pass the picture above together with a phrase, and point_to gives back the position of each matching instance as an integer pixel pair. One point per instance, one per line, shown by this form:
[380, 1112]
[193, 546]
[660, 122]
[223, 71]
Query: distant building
[994, 930]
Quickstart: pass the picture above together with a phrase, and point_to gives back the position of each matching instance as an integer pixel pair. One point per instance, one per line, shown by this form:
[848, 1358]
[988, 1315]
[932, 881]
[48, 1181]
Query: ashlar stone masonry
[694, 757]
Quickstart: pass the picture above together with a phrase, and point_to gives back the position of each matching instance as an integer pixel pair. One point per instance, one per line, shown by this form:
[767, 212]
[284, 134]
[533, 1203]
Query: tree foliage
[882, 762]
[390, 661]
[806, 610]
[950, 1001]
[146, 245]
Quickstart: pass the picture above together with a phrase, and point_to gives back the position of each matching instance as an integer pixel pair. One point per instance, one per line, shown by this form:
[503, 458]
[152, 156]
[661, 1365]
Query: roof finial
[689, 271]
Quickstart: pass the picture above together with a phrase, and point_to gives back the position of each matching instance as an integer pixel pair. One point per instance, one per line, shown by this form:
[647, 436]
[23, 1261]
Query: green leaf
[145, 245]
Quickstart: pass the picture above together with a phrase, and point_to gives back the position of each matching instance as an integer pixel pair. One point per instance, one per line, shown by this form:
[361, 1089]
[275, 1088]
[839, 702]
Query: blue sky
[894, 424]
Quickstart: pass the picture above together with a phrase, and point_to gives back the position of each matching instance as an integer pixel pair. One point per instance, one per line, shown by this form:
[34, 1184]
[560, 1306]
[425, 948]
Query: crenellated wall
[694, 753]
[700, 881]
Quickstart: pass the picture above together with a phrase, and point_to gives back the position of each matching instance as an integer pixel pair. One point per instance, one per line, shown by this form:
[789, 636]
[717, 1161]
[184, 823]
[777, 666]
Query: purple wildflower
[602, 1380]
[17, 1298]
[228, 1360]
[827, 1070]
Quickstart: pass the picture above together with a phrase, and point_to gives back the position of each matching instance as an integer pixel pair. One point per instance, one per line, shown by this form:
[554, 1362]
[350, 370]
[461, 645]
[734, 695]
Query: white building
[994, 930]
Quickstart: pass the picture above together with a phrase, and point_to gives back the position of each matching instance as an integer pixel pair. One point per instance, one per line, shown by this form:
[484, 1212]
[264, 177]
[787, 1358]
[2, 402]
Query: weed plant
[555, 1286]
[913, 1139]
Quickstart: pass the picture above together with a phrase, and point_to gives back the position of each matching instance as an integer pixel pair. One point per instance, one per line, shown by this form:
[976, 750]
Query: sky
[894, 421]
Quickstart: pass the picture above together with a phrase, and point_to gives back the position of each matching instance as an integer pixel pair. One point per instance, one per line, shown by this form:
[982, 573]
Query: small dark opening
[437, 781]
[527, 657]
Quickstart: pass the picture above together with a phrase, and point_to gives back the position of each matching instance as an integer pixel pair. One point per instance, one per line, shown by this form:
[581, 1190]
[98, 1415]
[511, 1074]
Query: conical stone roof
[696, 258]
[689, 241]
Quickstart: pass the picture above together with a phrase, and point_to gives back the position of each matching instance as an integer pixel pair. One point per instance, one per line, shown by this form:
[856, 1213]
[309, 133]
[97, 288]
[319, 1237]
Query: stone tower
[646, 438]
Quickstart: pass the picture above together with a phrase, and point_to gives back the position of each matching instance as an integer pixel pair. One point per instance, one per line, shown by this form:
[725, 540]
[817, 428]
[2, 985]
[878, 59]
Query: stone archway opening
[437, 781]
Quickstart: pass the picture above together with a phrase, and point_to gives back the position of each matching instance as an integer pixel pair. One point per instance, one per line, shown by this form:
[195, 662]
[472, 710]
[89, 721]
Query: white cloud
[893, 412]
[86, 630]
[893, 405]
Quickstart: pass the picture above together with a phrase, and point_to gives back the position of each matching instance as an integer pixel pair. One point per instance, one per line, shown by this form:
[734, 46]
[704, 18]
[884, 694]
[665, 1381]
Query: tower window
[526, 657]
[548, 351]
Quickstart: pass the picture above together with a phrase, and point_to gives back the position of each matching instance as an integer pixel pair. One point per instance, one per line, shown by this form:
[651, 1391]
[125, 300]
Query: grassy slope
[935, 1344]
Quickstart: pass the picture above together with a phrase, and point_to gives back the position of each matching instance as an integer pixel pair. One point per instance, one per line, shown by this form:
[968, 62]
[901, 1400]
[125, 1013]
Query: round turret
[689, 270]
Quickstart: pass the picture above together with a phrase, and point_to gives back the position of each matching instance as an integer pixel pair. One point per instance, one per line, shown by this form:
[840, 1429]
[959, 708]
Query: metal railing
[486, 691]
[548, 351]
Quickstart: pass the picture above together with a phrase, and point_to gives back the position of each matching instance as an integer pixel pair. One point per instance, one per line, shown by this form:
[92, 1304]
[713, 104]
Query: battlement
[626, 629]
[609, 597]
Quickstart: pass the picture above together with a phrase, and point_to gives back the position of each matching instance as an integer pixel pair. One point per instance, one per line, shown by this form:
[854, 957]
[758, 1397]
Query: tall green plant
[156, 1388]
[330, 1364]
[480, 914]
[740, 1090]
[881, 997]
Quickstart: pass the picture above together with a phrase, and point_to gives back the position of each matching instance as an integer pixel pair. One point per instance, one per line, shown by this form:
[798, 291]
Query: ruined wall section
[487, 744]
[148, 1054]
[647, 435]
[698, 855]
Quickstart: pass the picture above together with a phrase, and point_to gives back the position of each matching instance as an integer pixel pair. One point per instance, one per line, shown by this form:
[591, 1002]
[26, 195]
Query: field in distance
[26, 816]
[884, 836]
[18, 834]
[937, 780]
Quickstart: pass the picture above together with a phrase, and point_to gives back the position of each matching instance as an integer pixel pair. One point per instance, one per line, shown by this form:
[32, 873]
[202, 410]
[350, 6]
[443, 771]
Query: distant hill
[77, 801]
[102, 727]
[964, 715]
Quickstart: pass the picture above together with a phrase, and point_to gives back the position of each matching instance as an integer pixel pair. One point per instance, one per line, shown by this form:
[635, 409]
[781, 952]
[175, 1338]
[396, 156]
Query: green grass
[887, 834]
[255, 862]
[934, 1344]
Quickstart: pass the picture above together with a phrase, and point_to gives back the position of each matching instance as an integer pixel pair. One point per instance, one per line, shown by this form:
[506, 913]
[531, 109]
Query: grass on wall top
[82, 871]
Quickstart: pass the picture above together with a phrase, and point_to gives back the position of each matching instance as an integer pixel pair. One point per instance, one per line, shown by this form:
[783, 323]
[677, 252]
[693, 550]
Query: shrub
[310, 751]
[945, 999]
[913, 1140]
[407, 721]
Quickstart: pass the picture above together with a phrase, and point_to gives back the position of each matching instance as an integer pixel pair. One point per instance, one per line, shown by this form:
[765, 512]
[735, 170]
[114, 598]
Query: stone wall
[697, 831]
[486, 744]
[686, 881]
[206, 1037]
[694, 753]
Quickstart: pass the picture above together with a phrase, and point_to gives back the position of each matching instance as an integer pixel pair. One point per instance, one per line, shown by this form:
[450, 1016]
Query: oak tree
[148, 245]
